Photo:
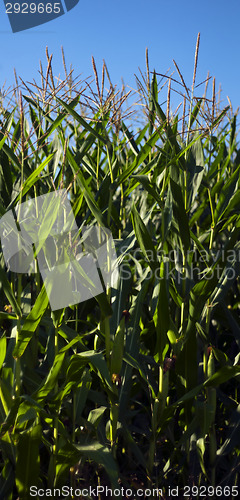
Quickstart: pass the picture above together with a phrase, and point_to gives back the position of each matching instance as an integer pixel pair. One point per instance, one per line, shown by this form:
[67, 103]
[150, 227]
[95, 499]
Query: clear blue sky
[120, 31]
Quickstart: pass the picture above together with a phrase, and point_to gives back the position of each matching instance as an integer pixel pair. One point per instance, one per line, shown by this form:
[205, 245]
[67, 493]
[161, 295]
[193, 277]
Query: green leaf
[33, 177]
[143, 154]
[31, 323]
[144, 239]
[195, 112]
[105, 307]
[28, 460]
[220, 116]
[162, 317]
[232, 440]
[118, 348]
[96, 360]
[6, 287]
[3, 349]
[180, 215]
[86, 191]
[80, 120]
[167, 214]
[130, 138]
[55, 124]
[2, 141]
[96, 415]
[132, 346]
[196, 170]
[71, 454]
[226, 195]
[11, 155]
[221, 376]
[49, 384]
[152, 98]
[143, 179]
[6, 183]
[7, 481]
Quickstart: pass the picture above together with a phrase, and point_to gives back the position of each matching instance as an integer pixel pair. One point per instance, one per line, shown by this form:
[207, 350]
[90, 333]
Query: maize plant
[136, 387]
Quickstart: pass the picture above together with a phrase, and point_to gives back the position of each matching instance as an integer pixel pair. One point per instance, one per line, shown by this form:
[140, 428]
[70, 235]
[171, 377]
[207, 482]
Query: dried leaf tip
[168, 100]
[196, 61]
[96, 77]
[148, 73]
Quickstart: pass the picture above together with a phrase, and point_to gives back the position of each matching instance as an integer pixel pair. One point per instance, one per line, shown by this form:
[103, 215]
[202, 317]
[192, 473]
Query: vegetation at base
[137, 387]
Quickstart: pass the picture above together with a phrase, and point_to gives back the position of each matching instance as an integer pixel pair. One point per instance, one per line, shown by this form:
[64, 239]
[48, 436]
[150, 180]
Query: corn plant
[137, 386]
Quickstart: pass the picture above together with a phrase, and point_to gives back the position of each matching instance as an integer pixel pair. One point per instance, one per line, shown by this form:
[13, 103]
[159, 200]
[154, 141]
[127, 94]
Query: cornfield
[136, 389]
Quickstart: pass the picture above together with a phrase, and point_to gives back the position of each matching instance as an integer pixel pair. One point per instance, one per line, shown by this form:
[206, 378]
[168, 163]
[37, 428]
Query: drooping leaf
[31, 323]
[28, 460]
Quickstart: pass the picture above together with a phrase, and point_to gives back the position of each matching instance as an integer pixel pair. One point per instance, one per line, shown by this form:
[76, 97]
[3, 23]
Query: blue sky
[120, 31]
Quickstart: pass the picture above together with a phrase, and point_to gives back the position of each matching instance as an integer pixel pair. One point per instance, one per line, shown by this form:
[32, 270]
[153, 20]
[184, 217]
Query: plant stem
[55, 427]
[17, 362]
